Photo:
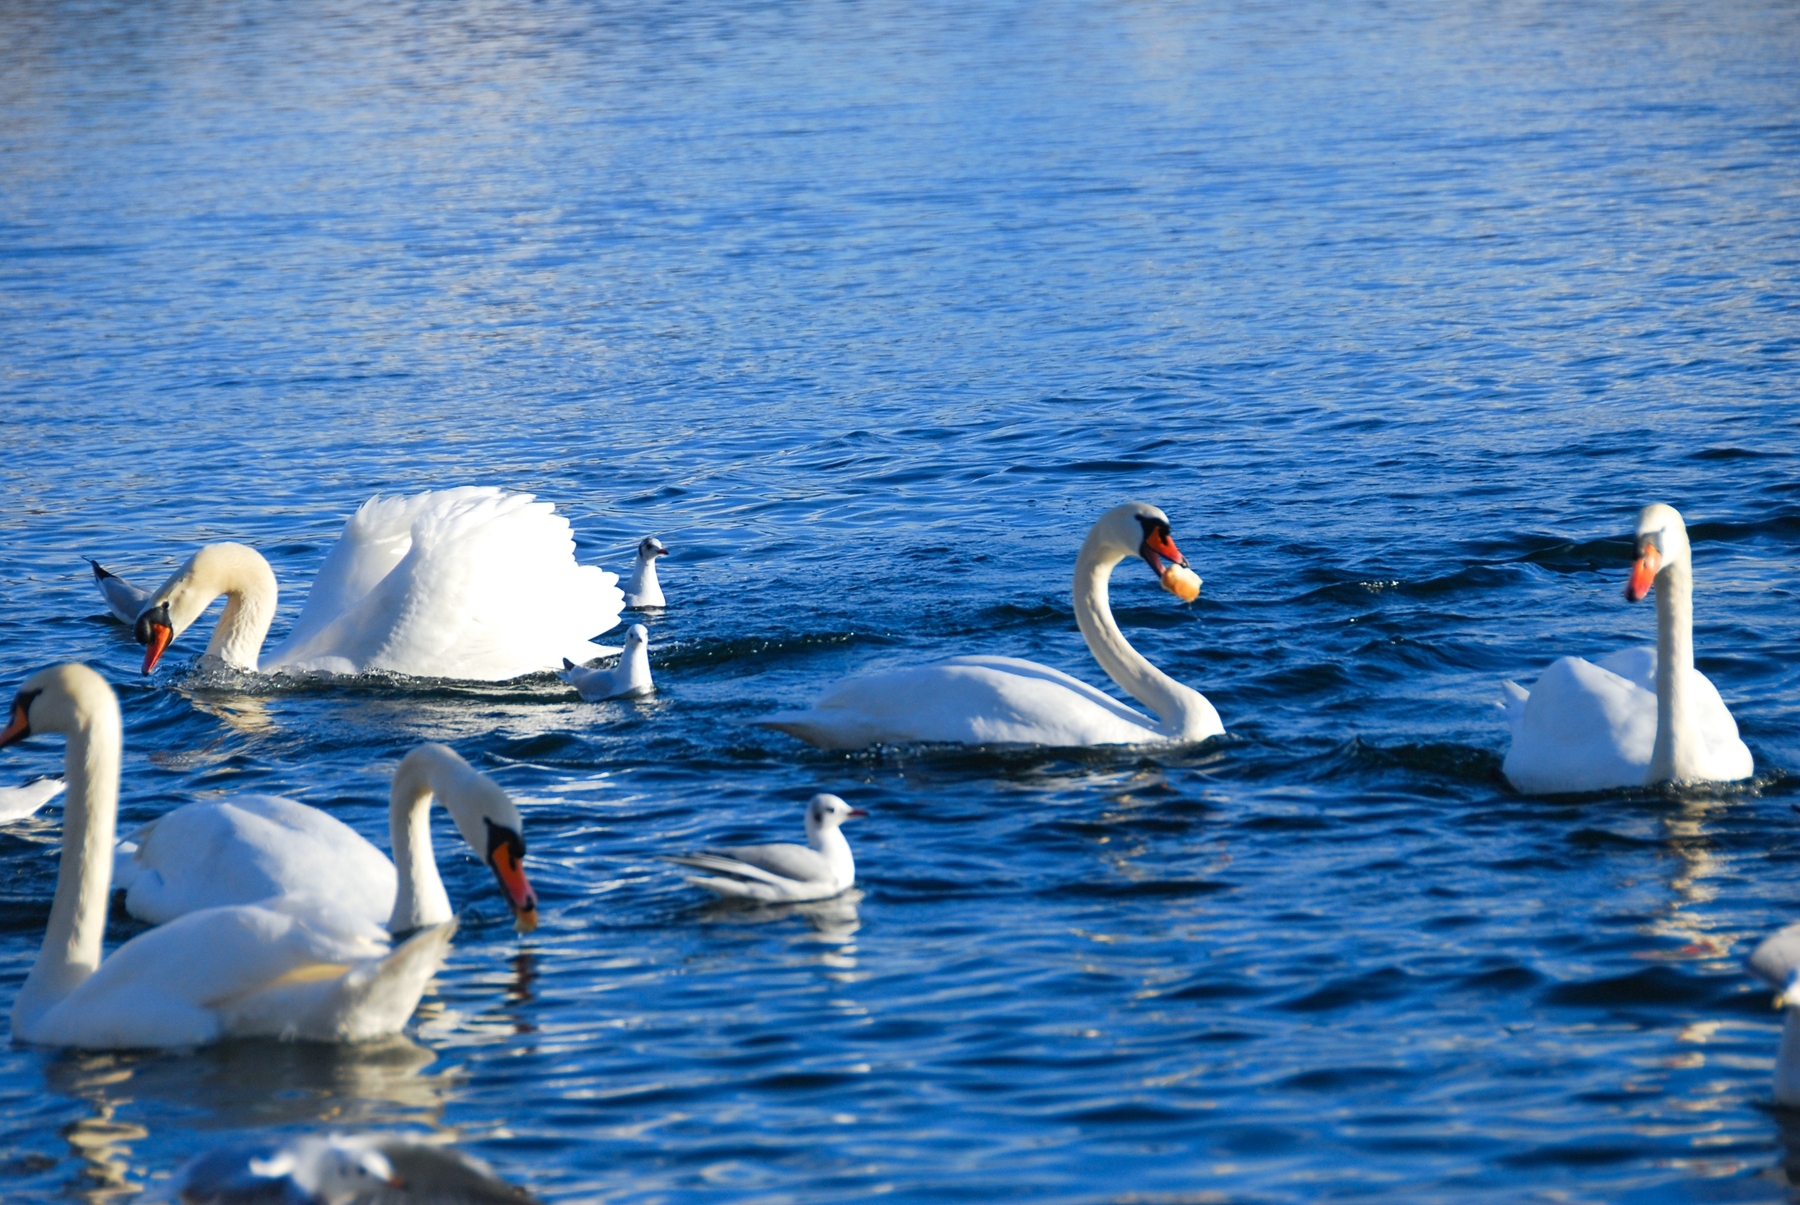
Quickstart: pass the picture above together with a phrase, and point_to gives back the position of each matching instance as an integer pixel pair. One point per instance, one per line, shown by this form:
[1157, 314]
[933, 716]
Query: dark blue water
[1399, 310]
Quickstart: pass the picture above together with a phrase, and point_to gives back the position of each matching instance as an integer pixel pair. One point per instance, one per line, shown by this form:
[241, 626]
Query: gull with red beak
[817, 870]
[1641, 716]
[1006, 700]
[252, 847]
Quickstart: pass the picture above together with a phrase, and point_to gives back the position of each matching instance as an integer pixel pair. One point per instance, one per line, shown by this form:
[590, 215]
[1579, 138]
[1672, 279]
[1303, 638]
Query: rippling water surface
[1399, 310]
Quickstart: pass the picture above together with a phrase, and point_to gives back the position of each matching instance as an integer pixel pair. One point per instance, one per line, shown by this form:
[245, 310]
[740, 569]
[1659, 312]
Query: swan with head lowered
[472, 583]
[251, 847]
[1006, 700]
[1639, 717]
[296, 967]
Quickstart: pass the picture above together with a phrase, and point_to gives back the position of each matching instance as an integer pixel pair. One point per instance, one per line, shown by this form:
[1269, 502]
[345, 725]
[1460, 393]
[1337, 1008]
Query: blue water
[1399, 310]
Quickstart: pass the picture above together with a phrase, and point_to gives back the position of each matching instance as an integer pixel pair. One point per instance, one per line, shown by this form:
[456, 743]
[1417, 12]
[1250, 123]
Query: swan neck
[1676, 744]
[419, 898]
[72, 941]
[1173, 703]
[248, 585]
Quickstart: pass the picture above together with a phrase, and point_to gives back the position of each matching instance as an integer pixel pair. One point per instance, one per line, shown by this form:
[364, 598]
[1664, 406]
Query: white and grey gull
[631, 676]
[818, 870]
[643, 590]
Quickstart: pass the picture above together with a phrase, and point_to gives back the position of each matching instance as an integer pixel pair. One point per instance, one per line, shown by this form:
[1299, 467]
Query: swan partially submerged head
[1662, 542]
[230, 569]
[485, 815]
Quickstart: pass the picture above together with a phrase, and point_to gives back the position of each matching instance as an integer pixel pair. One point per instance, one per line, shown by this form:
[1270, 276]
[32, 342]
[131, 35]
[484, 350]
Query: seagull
[339, 1169]
[778, 873]
[16, 803]
[1776, 961]
[123, 599]
[630, 677]
[643, 590]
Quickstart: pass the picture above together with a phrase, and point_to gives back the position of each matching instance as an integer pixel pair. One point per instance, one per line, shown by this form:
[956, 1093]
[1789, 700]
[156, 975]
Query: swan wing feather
[1584, 728]
[488, 589]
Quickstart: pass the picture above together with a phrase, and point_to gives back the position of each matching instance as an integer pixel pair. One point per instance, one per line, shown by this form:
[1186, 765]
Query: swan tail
[376, 998]
[807, 726]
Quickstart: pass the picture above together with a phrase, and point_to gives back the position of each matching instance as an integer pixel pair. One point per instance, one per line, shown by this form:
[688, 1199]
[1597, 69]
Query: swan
[251, 847]
[1639, 717]
[472, 583]
[630, 677]
[643, 590]
[123, 599]
[16, 803]
[783, 873]
[295, 967]
[1776, 960]
[983, 700]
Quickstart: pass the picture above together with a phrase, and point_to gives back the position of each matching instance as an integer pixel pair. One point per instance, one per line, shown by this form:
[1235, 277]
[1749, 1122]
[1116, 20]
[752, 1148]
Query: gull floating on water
[777, 873]
[16, 803]
[123, 599]
[630, 677]
[643, 590]
[339, 1169]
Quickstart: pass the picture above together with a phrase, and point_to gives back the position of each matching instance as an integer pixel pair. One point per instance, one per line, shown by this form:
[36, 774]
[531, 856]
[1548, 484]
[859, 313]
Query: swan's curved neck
[1184, 713]
[1677, 746]
[242, 575]
[421, 899]
[72, 941]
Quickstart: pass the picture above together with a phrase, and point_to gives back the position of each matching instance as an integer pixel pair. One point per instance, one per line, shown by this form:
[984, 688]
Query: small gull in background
[16, 803]
[123, 599]
[643, 590]
[778, 873]
[630, 677]
[338, 1169]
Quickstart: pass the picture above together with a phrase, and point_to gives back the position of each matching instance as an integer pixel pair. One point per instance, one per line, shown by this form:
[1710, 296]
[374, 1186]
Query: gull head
[825, 812]
[649, 548]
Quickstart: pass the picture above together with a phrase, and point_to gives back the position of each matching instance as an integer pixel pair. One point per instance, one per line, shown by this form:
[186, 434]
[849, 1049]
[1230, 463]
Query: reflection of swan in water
[233, 1084]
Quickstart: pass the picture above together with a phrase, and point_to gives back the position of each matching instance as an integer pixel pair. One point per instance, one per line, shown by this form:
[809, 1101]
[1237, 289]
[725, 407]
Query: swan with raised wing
[472, 583]
[1007, 700]
[1639, 717]
[251, 847]
[295, 967]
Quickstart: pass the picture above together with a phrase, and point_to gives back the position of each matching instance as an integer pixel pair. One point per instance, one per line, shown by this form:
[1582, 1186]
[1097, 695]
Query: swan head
[1662, 541]
[63, 699]
[649, 548]
[214, 570]
[485, 815]
[1141, 530]
[825, 812]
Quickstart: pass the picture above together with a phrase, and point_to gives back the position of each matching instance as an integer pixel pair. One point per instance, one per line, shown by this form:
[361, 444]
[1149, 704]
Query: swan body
[250, 848]
[630, 677]
[987, 700]
[295, 967]
[817, 870]
[643, 590]
[1776, 960]
[473, 583]
[123, 599]
[1640, 716]
[16, 803]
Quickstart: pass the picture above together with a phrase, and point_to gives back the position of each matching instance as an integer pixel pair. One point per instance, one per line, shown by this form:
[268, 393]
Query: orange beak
[18, 727]
[1158, 547]
[160, 635]
[1643, 575]
[519, 895]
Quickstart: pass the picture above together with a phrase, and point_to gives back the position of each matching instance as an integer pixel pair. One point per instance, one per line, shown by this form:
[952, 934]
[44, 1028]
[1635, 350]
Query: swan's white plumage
[1639, 716]
[1007, 700]
[249, 848]
[473, 583]
[294, 967]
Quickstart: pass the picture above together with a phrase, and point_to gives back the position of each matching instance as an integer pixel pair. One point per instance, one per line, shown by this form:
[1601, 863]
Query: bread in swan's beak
[1182, 582]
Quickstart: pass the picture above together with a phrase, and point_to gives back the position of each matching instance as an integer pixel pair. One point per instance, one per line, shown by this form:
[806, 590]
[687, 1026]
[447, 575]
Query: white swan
[630, 677]
[983, 700]
[294, 967]
[1776, 960]
[1639, 717]
[251, 847]
[776, 873]
[16, 803]
[643, 590]
[472, 583]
